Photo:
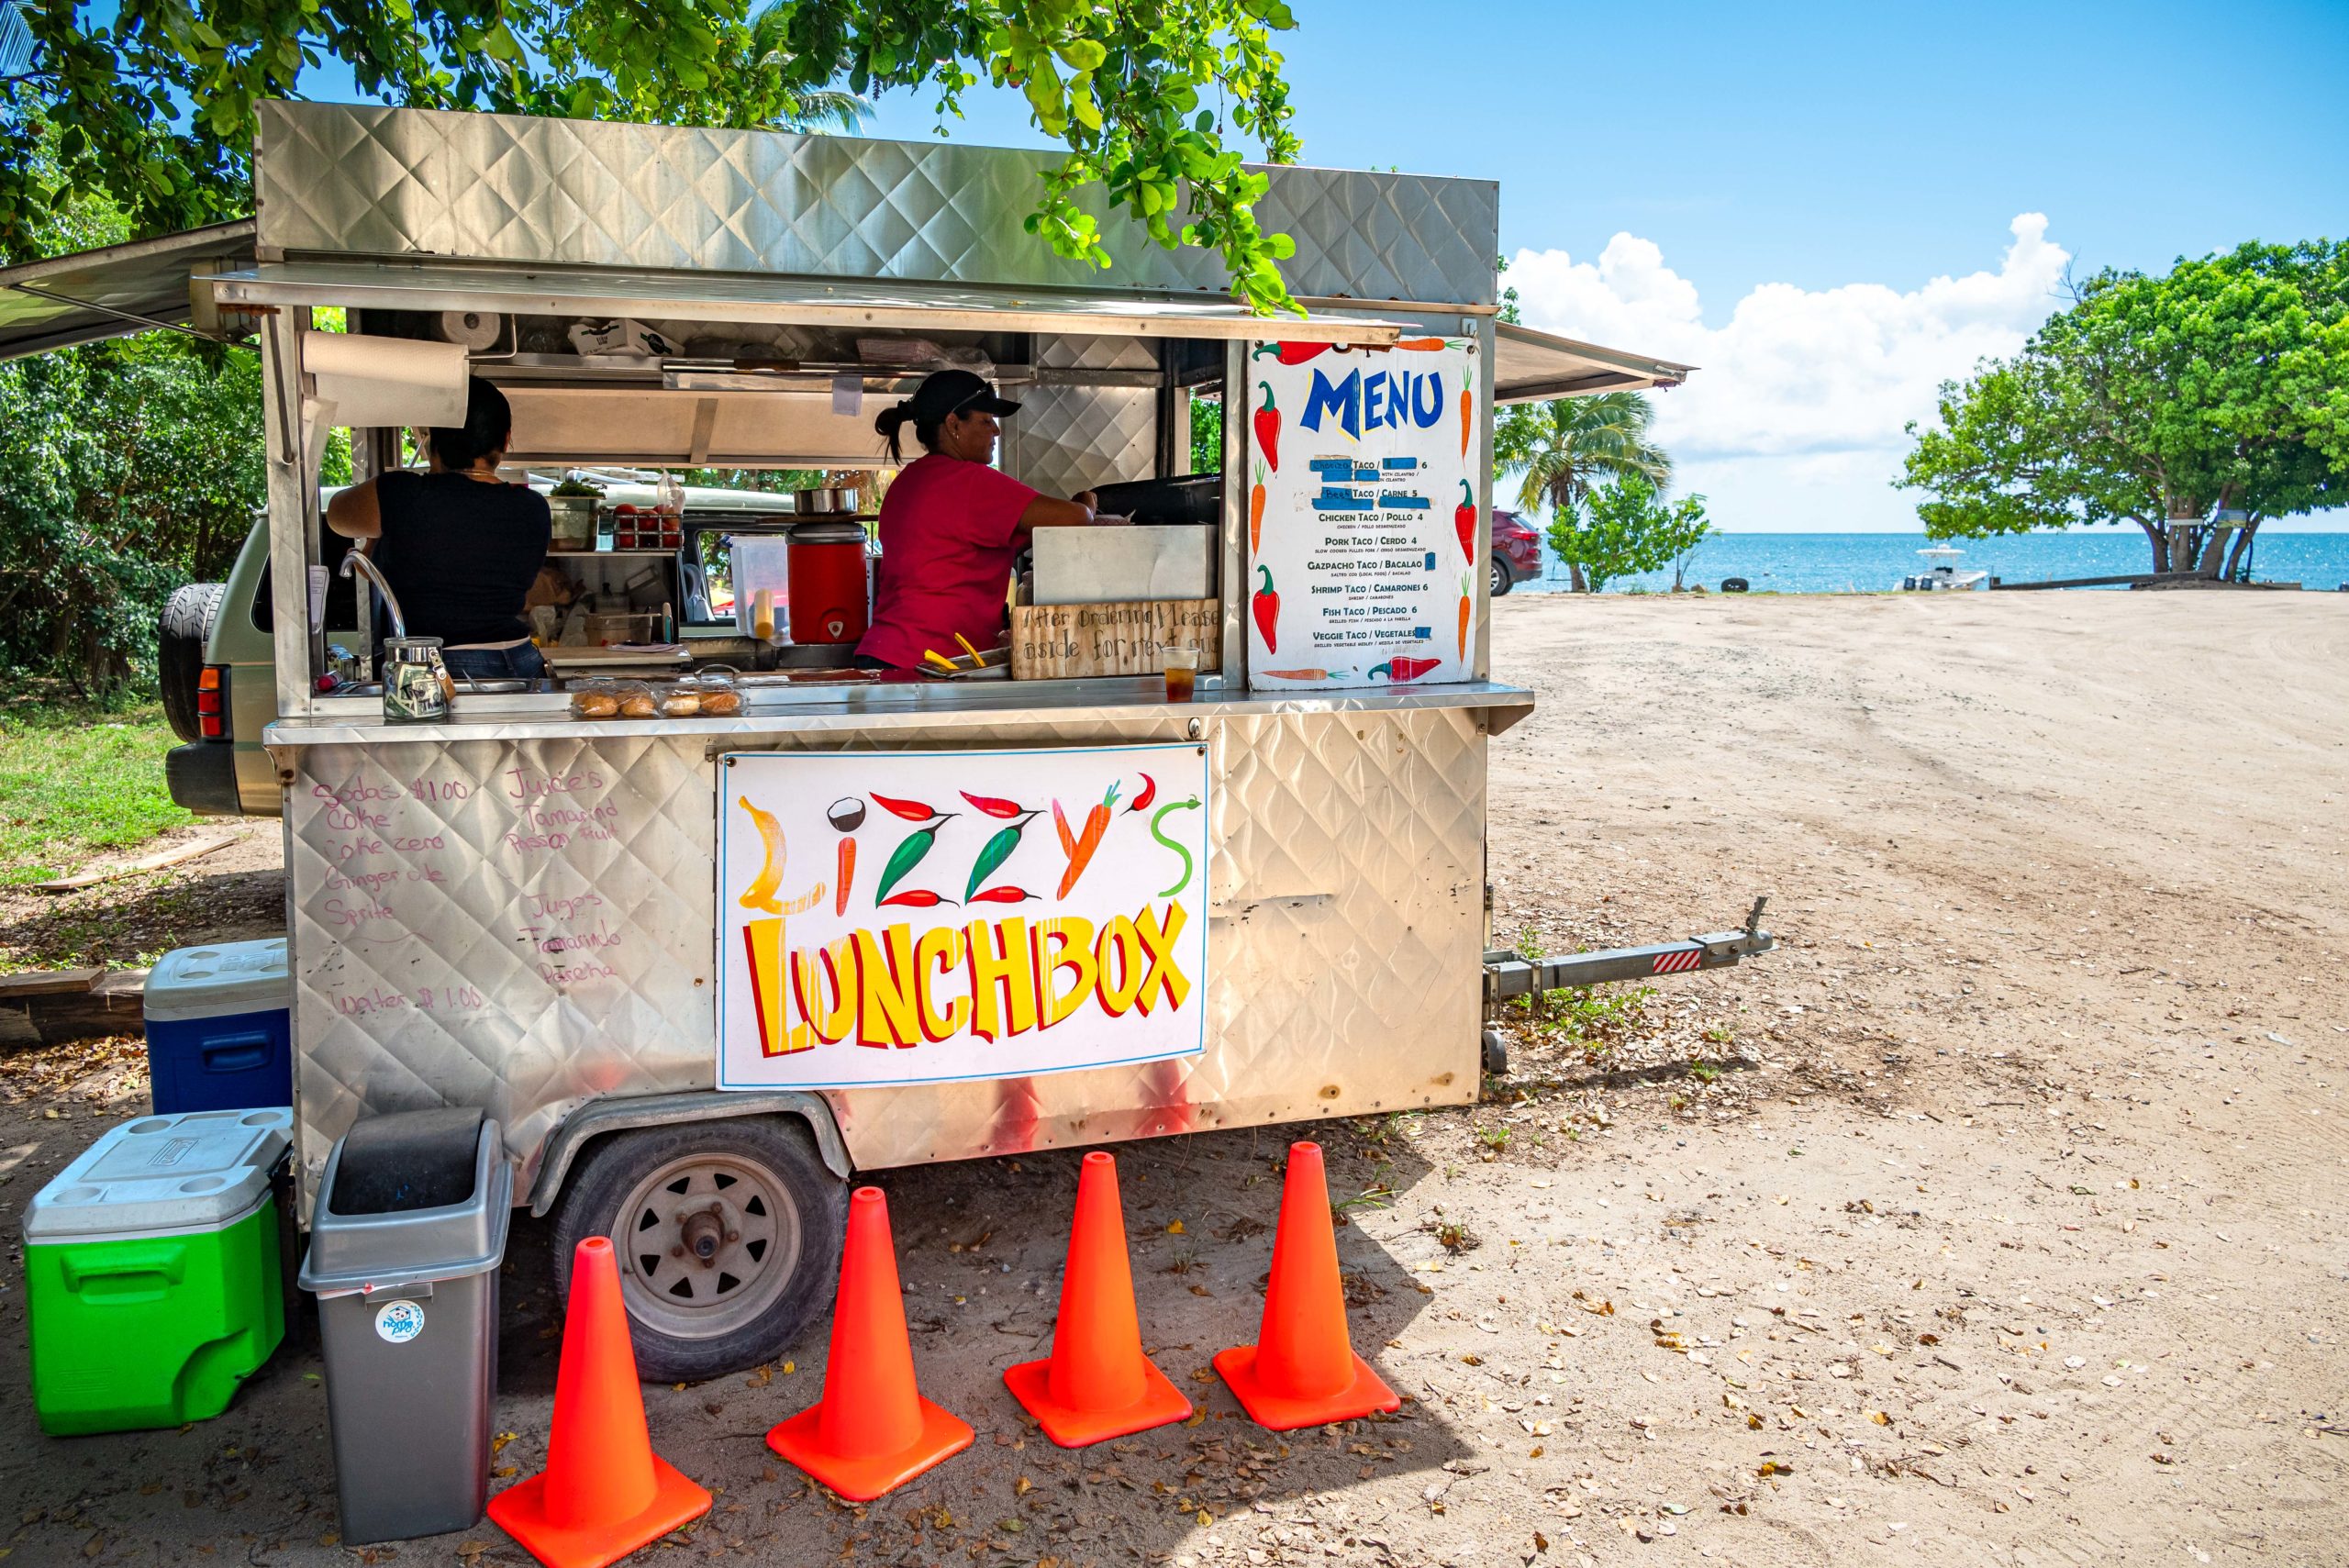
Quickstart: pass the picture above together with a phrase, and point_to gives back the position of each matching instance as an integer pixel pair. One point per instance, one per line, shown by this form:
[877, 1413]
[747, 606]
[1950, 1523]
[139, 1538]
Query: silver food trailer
[704, 969]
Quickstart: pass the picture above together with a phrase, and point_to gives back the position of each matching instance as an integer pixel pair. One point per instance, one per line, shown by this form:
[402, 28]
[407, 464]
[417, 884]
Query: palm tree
[1564, 450]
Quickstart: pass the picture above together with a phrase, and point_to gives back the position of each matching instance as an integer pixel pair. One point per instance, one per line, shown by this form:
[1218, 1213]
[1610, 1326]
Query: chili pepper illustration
[1157, 832]
[907, 856]
[911, 810]
[1268, 428]
[1267, 606]
[1149, 793]
[1464, 523]
[759, 894]
[1291, 353]
[1297, 675]
[1403, 669]
[916, 899]
[992, 855]
[1467, 606]
[993, 806]
[1467, 399]
[1088, 839]
[1256, 512]
[1004, 895]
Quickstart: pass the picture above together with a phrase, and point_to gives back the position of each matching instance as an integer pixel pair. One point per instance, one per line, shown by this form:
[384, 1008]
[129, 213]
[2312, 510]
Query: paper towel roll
[363, 381]
[476, 329]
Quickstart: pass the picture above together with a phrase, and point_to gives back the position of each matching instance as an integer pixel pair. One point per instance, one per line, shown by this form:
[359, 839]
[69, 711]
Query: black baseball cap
[949, 393]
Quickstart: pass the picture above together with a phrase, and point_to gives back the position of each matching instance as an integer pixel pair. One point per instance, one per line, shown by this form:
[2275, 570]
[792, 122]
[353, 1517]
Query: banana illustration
[759, 894]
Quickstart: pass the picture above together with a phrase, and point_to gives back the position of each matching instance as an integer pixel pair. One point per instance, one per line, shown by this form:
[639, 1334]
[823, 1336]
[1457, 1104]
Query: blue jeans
[522, 661]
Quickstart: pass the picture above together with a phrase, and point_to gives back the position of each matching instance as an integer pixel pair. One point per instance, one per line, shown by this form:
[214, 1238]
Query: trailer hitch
[1506, 975]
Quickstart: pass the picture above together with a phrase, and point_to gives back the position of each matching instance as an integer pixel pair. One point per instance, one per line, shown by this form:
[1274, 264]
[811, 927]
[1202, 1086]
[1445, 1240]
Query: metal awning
[1531, 366]
[796, 301]
[105, 294]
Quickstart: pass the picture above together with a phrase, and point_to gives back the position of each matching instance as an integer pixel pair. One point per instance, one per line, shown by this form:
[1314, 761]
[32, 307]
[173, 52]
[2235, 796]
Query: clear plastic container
[595, 700]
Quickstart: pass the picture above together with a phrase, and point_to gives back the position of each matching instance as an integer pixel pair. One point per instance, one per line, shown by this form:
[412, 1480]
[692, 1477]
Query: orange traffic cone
[1301, 1372]
[1097, 1384]
[603, 1492]
[873, 1431]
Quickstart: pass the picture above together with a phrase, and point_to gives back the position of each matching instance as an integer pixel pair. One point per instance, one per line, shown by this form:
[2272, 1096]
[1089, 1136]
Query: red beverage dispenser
[828, 582]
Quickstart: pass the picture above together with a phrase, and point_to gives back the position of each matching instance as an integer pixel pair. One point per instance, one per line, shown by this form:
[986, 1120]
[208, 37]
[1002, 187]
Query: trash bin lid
[213, 981]
[409, 1196]
[163, 1176]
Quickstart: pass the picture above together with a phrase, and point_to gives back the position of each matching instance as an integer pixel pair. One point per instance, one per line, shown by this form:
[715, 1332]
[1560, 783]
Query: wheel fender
[597, 1117]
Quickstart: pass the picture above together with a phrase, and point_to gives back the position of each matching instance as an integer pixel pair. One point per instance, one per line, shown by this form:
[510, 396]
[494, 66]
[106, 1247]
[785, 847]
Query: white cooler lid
[163, 1176]
[213, 981]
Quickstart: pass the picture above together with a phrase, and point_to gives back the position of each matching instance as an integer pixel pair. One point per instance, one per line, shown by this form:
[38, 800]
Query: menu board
[907, 917]
[1365, 536]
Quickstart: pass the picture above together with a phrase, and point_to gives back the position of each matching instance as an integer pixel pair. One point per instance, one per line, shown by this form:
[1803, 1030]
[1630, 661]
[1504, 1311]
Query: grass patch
[77, 778]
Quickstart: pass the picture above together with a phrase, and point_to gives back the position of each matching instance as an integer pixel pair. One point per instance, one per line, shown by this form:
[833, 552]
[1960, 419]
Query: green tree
[153, 100]
[1562, 451]
[127, 469]
[2161, 401]
[1624, 528]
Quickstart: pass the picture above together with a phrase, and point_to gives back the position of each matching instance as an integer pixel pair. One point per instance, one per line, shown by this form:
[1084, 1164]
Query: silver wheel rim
[753, 1229]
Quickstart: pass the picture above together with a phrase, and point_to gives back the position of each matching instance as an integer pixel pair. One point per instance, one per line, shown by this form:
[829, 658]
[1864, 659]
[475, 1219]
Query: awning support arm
[132, 316]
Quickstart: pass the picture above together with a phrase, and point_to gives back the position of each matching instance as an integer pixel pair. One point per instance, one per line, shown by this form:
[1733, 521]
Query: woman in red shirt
[952, 525]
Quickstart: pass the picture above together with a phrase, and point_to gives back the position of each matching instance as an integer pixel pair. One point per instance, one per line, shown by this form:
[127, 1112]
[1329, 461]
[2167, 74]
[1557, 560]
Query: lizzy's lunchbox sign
[908, 917]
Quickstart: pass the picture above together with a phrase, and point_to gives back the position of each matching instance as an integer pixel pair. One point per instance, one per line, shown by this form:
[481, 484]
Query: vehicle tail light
[212, 702]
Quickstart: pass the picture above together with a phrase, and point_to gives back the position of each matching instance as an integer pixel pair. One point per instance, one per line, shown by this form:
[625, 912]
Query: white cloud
[1793, 418]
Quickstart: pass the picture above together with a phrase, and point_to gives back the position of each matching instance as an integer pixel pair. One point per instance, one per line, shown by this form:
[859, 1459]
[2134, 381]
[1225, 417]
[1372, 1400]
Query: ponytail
[896, 417]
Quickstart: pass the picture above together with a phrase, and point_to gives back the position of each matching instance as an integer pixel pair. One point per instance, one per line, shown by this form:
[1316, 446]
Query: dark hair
[940, 396]
[896, 417]
[488, 427]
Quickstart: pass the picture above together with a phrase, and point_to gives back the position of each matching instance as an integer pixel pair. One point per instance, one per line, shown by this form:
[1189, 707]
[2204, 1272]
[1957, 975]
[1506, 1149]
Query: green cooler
[154, 1271]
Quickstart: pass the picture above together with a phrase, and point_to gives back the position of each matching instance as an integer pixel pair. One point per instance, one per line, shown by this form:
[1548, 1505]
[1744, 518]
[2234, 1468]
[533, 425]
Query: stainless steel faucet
[357, 559]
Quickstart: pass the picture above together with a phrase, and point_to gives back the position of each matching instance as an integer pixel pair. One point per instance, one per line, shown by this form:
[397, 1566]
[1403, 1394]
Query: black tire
[181, 632]
[1503, 578]
[1494, 1054]
[762, 1313]
[1733, 586]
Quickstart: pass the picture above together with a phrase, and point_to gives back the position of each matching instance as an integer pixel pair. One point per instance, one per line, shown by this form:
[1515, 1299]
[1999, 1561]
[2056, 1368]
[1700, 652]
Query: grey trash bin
[404, 1247]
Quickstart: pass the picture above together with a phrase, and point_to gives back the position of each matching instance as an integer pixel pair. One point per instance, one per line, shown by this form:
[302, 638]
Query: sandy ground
[1994, 1219]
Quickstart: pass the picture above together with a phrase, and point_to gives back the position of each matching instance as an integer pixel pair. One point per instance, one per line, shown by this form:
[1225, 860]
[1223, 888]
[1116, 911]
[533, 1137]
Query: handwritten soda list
[373, 852]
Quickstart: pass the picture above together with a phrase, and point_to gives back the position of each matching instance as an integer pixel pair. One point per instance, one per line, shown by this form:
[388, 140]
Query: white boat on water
[1943, 572]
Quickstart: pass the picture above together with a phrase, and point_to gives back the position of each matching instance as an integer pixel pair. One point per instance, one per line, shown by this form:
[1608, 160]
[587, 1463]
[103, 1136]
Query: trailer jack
[1506, 975]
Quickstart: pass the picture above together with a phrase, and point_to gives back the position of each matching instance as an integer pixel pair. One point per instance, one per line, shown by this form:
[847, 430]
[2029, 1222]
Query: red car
[1516, 552]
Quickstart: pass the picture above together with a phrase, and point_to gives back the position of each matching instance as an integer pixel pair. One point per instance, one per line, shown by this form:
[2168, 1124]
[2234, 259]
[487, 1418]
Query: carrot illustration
[1059, 820]
[1422, 345]
[848, 874]
[1256, 511]
[1080, 855]
[1467, 399]
[1299, 675]
[1467, 605]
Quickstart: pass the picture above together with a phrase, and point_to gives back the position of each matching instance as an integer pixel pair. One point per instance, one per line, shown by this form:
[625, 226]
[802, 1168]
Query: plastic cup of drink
[1182, 673]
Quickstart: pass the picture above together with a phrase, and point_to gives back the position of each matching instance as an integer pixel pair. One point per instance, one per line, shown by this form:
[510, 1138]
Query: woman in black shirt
[459, 546]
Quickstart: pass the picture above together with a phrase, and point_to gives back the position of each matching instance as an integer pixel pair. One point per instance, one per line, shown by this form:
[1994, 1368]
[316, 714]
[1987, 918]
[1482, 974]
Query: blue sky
[1829, 208]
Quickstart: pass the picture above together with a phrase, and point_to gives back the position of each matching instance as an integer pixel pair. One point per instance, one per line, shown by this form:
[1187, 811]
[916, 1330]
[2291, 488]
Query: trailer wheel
[728, 1234]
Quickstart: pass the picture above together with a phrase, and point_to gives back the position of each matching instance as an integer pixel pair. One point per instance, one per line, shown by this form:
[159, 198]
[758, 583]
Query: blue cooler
[219, 1033]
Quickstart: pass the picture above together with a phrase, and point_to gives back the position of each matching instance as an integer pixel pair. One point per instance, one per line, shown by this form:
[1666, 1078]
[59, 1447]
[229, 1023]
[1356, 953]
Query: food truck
[802, 919]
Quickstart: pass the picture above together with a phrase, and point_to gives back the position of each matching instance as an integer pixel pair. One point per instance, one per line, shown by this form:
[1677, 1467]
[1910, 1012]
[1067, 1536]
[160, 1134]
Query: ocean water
[1844, 563]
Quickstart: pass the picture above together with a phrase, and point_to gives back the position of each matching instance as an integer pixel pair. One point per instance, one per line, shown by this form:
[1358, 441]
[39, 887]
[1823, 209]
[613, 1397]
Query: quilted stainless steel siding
[1069, 438]
[1346, 883]
[357, 179]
